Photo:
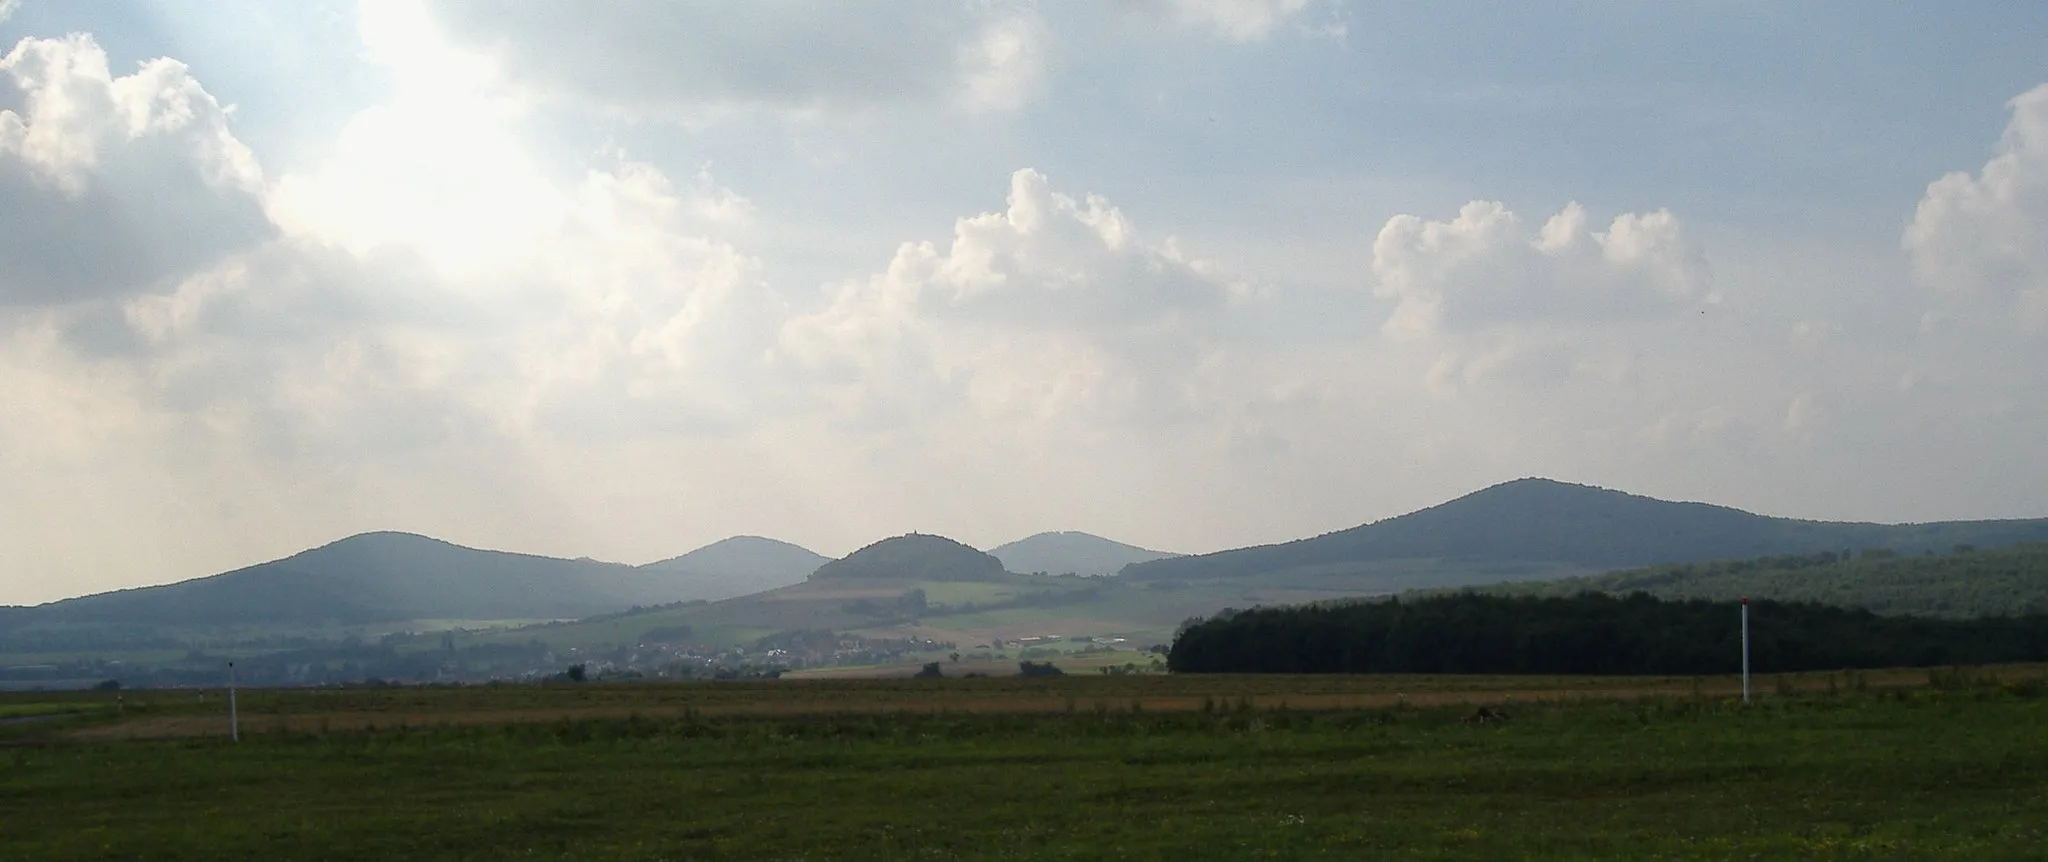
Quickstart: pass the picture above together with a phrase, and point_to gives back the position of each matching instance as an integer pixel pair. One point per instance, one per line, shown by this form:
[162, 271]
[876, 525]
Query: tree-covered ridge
[1965, 583]
[915, 557]
[1590, 633]
[368, 578]
[1531, 521]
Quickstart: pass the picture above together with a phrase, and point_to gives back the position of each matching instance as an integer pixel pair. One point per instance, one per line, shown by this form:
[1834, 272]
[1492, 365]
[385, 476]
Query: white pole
[234, 720]
[1745, 649]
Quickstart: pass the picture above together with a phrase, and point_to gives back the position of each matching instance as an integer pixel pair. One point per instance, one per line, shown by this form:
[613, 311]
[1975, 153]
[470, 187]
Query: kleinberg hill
[915, 557]
[1539, 528]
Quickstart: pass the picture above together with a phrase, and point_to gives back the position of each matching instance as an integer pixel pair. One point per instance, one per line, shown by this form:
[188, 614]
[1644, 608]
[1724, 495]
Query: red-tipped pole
[1745, 649]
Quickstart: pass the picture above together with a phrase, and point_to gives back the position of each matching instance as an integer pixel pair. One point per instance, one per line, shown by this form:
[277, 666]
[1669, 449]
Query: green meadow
[1909, 764]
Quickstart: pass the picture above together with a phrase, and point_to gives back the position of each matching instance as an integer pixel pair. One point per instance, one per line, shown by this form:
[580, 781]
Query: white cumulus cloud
[1485, 267]
[111, 184]
[1053, 304]
[1986, 235]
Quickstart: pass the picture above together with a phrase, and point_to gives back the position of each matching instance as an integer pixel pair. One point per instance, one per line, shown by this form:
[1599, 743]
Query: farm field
[1887, 764]
[196, 713]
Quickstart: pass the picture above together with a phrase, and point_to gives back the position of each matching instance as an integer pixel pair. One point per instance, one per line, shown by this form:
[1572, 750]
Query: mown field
[1896, 764]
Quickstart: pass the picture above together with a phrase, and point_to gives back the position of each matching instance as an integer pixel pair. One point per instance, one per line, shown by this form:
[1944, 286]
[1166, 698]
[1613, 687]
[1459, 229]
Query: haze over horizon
[620, 281]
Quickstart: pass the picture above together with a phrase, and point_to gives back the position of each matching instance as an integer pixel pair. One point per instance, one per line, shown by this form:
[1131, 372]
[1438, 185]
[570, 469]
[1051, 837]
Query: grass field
[1900, 764]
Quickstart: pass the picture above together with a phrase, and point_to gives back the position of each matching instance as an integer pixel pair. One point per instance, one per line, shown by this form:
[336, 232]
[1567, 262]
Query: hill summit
[734, 567]
[914, 557]
[1071, 552]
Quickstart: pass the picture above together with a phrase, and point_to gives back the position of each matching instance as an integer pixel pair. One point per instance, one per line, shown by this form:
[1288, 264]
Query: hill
[733, 567]
[1967, 583]
[1072, 553]
[1520, 528]
[912, 586]
[369, 578]
[915, 557]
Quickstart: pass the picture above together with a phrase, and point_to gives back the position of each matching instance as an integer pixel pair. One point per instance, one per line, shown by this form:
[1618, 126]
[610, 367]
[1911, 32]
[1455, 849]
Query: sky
[619, 279]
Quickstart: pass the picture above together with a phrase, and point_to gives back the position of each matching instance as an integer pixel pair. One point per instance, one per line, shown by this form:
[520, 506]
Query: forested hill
[734, 567]
[1589, 633]
[370, 578]
[1964, 583]
[1071, 553]
[1533, 521]
[914, 557]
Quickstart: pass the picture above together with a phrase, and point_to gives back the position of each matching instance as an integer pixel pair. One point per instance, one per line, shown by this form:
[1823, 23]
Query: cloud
[7, 8]
[620, 317]
[681, 57]
[1054, 306]
[427, 282]
[114, 185]
[1985, 237]
[1003, 68]
[1237, 20]
[1485, 268]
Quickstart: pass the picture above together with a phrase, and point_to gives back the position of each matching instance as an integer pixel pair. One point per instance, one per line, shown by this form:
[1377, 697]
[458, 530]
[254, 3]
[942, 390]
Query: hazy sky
[622, 278]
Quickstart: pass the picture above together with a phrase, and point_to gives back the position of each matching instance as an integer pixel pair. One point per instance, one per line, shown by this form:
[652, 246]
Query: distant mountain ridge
[385, 577]
[1517, 531]
[735, 567]
[1070, 552]
[1531, 521]
[369, 578]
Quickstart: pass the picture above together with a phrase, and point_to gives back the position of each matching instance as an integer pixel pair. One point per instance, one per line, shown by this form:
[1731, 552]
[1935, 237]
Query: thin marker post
[234, 720]
[1745, 649]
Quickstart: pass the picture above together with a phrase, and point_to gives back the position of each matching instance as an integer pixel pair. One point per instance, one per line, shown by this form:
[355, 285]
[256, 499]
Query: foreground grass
[1959, 773]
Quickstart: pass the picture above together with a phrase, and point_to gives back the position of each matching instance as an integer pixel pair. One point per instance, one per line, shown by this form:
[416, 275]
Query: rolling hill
[1532, 528]
[933, 588]
[1072, 553]
[914, 557]
[733, 567]
[364, 579]
[2005, 581]
[887, 587]
[1522, 531]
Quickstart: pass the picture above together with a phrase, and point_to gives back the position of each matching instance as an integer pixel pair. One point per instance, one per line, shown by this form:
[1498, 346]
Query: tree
[930, 671]
[576, 672]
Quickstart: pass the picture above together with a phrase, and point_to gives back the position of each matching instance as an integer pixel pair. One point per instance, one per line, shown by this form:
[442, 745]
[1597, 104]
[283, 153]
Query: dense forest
[1965, 583]
[1591, 633]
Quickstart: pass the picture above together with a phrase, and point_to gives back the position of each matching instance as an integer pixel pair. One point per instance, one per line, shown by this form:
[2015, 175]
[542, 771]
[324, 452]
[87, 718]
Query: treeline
[1590, 633]
[1967, 582]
